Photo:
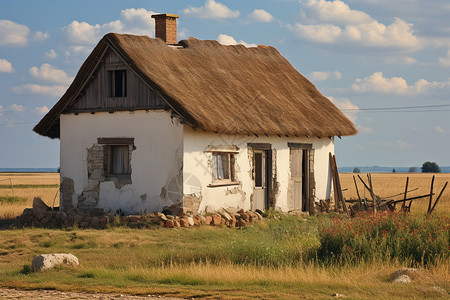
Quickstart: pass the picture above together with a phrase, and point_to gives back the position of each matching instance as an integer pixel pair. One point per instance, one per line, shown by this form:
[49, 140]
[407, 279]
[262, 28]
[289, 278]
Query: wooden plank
[115, 141]
[333, 177]
[356, 187]
[341, 196]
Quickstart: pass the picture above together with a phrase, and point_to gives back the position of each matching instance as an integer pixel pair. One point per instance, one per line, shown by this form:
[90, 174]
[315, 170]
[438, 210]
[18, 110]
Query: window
[119, 161]
[117, 83]
[223, 167]
[117, 156]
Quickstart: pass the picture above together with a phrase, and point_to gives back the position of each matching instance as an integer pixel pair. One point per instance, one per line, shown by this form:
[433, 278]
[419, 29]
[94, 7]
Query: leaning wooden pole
[431, 195]
[356, 187]
[406, 191]
[341, 196]
[439, 197]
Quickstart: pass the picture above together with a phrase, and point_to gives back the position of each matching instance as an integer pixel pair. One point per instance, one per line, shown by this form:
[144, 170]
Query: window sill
[225, 183]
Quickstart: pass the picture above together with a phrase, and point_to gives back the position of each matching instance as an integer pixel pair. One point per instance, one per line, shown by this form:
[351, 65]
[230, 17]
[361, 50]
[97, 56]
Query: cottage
[149, 123]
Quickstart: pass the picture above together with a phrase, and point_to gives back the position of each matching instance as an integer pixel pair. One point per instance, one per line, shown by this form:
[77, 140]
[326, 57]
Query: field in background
[385, 185]
[25, 187]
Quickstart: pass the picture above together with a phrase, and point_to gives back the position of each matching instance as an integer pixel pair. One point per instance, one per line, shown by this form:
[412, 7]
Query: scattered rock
[402, 279]
[48, 261]
[411, 272]
[337, 295]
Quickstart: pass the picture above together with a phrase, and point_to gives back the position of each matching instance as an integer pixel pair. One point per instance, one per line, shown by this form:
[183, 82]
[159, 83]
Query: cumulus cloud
[54, 90]
[16, 107]
[211, 10]
[334, 22]
[229, 40]
[40, 36]
[445, 61]
[13, 34]
[5, 66]
[51, 54]
[260, 15]
[132, 20]
[320, 76]
[41, 110]
[49, 73]
[377, 83]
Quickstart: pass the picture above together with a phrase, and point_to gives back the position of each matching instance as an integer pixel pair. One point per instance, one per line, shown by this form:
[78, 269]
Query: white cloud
[347, 107]
[55, 90]
[132, 20]
[336, 23]
[211, 10]
[5, 66]
[445, 61]
[13, 34]
[229, 40]
[396, 85]
[40, 36]
[51, 54]
[51, 74]
[364, 129]
[260, 15]
[41, 110]
[16, 107]
[320, 76]
[85, 33]
[336, 12]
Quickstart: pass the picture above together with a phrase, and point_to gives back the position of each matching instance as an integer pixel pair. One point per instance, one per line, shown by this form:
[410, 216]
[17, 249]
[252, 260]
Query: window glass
[120, 163]
[223, 166]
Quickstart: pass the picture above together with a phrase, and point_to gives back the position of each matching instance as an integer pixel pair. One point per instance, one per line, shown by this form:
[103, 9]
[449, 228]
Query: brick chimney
[166, 27]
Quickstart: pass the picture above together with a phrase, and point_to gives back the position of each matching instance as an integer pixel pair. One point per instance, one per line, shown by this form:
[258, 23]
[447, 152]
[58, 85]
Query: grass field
[280, 259]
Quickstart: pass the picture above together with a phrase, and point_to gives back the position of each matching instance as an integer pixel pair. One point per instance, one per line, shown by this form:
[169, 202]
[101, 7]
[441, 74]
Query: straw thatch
[226, 89]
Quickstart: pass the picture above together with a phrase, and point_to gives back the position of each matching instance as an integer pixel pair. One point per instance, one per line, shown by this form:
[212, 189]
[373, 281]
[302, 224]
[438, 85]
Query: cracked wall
[155, 161]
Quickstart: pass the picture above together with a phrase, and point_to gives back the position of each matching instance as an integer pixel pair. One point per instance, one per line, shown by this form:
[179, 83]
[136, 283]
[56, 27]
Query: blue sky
[365, 54]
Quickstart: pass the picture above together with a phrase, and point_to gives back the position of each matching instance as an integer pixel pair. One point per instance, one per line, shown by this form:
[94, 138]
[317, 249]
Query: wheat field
[389, 184]
[47, 194]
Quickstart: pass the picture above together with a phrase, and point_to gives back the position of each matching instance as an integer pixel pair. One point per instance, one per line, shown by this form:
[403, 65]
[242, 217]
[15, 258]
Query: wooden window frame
[231, 161]
[109, 143]
[112, 73]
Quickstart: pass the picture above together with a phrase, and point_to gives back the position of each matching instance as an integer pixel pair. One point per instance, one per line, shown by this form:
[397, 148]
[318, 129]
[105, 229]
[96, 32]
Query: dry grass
[103, 269]
[11, 210]
[385, 185]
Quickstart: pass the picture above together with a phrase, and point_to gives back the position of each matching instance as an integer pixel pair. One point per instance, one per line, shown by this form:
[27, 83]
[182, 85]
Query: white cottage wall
[197, 172]
[156, 163]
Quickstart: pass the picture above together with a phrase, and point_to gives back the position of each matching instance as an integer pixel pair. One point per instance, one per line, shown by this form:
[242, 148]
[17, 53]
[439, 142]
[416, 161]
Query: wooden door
[260, 179]
[296, 177]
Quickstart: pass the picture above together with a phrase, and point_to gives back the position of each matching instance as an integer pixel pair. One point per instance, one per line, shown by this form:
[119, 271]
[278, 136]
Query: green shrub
[385, 236]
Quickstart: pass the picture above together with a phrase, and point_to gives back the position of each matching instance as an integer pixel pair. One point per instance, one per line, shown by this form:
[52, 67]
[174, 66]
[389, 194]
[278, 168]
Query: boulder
[39, 207]
[48, 261]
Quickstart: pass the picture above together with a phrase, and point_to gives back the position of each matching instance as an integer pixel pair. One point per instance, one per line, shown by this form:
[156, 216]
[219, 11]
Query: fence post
[12, 188]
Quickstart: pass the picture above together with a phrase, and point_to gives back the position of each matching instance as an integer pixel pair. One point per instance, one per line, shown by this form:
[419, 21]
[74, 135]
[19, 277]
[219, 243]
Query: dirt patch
[52, 294]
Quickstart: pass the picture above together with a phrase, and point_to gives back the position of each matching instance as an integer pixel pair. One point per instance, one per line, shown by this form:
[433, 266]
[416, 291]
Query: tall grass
[385, 236]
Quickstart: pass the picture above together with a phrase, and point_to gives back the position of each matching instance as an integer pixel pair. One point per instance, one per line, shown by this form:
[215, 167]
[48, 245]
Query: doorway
[301, 176]
[260, 179]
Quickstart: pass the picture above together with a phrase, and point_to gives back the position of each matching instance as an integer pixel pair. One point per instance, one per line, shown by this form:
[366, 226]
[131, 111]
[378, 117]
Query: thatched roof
[226, 89]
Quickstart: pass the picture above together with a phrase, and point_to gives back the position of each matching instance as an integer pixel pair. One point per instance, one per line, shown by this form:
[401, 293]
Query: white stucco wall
[197, 168]
[156, 161]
